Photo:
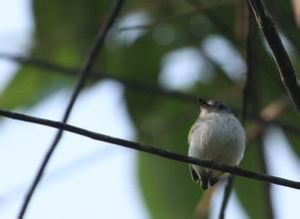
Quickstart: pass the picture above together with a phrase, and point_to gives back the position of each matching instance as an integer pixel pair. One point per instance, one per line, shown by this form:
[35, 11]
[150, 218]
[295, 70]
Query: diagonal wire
[83, 75]
[158, 151]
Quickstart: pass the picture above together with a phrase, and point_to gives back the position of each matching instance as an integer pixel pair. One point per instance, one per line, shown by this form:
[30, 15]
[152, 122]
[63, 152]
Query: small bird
[218, 136]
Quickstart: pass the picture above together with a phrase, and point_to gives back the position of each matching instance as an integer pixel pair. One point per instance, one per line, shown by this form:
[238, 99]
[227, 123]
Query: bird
[217, 136]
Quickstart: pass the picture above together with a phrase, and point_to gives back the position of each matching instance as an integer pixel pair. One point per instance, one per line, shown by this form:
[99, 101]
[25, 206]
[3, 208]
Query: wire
[158, 151]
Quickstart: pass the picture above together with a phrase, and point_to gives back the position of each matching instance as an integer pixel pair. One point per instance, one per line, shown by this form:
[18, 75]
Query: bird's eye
[221, 106]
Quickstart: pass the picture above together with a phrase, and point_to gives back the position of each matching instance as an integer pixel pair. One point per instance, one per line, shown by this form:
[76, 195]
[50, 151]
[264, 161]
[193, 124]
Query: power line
[84, 73]
[158, 151]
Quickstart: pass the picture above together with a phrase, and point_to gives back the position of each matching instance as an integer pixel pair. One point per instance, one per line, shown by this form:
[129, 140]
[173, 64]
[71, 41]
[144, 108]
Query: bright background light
[87, 178]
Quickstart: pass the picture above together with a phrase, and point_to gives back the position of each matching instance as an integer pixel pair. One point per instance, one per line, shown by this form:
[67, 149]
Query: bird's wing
[194, 174]
[192, 129]
[190, 135]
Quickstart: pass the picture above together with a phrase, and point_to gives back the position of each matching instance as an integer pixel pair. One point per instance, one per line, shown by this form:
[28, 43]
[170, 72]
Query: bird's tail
[207, 179]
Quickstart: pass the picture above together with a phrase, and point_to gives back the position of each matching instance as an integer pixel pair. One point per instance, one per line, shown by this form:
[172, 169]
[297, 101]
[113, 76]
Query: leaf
[59, 38]
[168, 189]
[166, 185]
[30, 86]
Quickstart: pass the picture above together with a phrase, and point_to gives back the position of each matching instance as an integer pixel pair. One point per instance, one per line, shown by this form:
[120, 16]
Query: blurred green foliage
[64, 31]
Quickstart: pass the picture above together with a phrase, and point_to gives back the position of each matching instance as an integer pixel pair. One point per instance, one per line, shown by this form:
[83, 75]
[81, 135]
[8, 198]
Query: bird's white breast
[219, 137]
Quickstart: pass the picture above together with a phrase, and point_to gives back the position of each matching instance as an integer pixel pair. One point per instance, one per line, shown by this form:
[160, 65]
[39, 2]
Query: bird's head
[213, 106]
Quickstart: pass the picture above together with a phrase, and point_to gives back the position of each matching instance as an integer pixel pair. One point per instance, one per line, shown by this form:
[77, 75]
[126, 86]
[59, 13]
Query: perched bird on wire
[218, 136]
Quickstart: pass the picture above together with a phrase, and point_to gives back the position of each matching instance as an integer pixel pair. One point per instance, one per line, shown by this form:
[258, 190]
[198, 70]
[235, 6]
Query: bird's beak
[203, 103]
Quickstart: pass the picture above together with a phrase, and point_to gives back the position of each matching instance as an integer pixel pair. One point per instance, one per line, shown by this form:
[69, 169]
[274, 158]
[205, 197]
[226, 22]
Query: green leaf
[61, 38]
[167, 186]
[30, 86]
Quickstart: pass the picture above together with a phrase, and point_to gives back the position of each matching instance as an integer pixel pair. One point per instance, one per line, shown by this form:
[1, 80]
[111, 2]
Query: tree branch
[179, 17]
[227, 191]
[97, 75]
[153, 150]
[284, 65]
[83, 75]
